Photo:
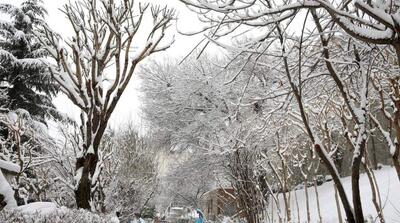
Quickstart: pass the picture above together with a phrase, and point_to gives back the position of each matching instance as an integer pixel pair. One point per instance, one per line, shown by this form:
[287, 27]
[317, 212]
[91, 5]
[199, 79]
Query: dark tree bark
[83, 192]
[104, 33]
[355, 184]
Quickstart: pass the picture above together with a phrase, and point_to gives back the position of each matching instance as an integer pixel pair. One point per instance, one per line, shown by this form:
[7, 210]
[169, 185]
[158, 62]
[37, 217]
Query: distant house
[219, 202]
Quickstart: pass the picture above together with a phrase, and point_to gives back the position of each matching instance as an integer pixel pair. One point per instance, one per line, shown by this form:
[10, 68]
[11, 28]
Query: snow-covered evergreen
[24, 74]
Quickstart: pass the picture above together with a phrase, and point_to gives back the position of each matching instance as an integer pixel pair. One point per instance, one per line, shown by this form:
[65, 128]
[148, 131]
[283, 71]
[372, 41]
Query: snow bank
[389, 189]
[7, 192]
[49, 212]
[44, 208]
[10, 166]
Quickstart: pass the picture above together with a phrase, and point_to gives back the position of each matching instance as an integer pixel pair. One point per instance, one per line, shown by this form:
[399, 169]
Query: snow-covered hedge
[58, 215]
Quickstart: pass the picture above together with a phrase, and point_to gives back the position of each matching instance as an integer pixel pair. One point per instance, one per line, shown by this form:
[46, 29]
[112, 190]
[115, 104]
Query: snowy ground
[39, 212]
[389, 187]
[38, 208]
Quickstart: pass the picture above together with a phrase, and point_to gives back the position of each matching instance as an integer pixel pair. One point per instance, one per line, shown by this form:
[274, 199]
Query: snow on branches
[95, 66]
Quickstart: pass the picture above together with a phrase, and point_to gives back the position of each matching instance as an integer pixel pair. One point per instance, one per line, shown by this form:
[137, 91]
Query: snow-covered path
[389, 187]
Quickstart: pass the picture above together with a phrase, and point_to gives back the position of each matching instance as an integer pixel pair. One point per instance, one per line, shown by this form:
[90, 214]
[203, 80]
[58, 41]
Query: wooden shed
[220, 202]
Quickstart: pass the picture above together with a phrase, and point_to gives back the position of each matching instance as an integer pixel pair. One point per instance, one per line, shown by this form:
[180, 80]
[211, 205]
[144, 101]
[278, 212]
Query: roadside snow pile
[39, 212]
[229, 220]
[388, 186]
[43, 208]
[7, 165]
[7, 192]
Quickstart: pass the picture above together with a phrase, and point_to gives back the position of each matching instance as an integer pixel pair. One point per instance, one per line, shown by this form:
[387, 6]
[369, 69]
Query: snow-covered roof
[9, 166]
[176, 208]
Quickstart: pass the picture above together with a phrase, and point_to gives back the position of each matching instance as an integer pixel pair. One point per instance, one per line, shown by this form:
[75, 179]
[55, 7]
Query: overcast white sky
[128, 107]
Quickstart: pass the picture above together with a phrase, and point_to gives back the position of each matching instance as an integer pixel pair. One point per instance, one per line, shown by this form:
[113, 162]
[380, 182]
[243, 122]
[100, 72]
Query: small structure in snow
[220, 202]
[178, 213]
[9, 169]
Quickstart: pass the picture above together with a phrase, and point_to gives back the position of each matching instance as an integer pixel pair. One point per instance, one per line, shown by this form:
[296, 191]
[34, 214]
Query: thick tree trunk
[355, 183]
[87, 165]
[396, 161]
[92, 132]
[355, 187]
[342, 193]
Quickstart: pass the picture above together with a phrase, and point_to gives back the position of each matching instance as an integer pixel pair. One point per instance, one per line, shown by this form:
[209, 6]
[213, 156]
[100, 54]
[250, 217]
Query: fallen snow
[51, 212]
[10, 166]
[389, 189]
[43, 208]
[7, 192]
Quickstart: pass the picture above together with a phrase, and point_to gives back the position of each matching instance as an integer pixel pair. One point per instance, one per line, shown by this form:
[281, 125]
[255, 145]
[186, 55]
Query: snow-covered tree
[363, 24]
[23, 147]
[200, 112]
[188, 178]
[185, 103]
[130, 172]
[95, 66]
[23, 75]
[28, 89]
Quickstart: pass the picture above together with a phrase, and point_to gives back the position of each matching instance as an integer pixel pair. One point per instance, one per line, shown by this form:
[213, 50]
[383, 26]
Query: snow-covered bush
[57, 215]
[129, 172]
[25, 146]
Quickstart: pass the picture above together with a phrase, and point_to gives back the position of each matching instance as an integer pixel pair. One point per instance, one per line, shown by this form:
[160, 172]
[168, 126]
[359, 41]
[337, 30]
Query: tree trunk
[272, 211]
[338, 205]
[396, 120]
[355, 187]
[317, 199]
[374, 193]
[297, 206]
[355, 183]
[87, 164]
[374, 158]
[396, 161]
[338, 183]
[396, 154]
[307, 200]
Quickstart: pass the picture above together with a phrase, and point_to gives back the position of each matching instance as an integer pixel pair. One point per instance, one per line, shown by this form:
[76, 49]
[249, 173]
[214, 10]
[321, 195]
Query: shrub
[60, 215]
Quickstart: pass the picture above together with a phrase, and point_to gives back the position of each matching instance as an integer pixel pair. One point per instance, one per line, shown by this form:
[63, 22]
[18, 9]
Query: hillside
[388, 187]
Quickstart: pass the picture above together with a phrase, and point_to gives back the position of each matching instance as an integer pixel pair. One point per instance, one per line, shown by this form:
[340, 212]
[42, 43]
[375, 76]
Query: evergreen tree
[23, 74]
[26, 90]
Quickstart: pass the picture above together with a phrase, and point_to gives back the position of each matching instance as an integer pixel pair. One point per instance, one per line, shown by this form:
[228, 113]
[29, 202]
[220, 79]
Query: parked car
[178, 215]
